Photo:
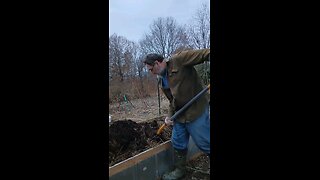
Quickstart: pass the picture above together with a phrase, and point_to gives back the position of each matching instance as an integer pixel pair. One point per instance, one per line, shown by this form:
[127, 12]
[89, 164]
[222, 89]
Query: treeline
[128, 75]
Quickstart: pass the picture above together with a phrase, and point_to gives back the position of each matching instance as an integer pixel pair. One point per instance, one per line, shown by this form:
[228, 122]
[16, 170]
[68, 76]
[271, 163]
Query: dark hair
[151, 58]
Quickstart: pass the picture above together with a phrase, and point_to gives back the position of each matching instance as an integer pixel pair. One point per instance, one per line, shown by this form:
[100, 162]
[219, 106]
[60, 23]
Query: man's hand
[168, 121]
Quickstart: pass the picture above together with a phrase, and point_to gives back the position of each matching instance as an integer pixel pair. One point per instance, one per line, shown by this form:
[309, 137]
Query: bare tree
[199, 30]
[135, 59]
[199, 38]
[165, 37]
[120, 57]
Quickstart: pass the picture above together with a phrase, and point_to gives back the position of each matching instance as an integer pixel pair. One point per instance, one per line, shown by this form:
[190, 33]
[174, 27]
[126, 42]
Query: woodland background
[129, 78]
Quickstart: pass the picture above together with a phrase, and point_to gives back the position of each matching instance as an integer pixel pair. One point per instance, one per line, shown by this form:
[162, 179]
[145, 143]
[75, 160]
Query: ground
[198, 168]
[140, 110]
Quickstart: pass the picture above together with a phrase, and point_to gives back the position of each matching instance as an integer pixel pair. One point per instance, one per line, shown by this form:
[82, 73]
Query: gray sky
[132, 18]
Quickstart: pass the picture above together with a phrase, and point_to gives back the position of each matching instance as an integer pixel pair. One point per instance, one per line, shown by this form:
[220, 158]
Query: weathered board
[150, 164]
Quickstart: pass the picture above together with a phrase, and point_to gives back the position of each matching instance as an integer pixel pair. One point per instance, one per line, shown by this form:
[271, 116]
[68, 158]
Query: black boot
[180, 157]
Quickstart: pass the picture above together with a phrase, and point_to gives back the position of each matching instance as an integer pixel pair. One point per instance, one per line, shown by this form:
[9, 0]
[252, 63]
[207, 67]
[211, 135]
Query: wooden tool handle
[161, 128]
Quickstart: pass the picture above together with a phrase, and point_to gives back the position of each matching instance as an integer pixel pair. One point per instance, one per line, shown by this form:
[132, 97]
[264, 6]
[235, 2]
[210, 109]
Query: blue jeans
[199, 130]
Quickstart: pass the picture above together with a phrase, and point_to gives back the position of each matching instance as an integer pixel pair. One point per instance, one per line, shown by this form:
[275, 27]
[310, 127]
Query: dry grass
[140, 110]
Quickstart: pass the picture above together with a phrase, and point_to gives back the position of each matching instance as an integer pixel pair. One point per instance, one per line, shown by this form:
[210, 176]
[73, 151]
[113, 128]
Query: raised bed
[151, 163]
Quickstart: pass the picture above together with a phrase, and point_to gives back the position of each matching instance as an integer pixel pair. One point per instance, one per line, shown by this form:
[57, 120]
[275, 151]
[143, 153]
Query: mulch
[128, 138]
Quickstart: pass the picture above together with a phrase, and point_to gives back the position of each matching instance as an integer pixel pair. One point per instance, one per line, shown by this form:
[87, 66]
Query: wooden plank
[138, 158]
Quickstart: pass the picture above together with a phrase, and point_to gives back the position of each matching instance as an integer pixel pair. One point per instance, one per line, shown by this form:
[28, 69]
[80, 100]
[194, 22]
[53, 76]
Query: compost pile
[128, 138]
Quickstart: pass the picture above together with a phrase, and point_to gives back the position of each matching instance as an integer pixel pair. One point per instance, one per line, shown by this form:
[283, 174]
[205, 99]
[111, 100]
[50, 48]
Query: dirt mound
[128, 138]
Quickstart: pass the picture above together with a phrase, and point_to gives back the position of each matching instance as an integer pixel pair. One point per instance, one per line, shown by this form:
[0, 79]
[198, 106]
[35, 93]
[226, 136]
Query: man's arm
[193, 57]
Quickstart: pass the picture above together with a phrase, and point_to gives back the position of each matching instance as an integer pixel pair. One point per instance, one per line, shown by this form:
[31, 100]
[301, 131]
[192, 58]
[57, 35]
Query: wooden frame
[138, 158]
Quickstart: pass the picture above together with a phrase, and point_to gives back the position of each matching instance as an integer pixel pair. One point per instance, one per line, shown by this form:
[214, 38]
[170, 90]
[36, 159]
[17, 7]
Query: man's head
[155, 63]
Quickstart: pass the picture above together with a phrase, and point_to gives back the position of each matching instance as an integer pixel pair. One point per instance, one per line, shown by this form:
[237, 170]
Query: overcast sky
[132, 18]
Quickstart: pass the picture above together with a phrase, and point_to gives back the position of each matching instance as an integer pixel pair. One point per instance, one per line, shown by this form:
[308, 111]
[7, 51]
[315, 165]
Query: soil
[128, 138]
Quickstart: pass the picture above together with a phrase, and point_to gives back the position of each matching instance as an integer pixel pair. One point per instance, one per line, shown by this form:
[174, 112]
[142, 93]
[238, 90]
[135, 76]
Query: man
[180, 83]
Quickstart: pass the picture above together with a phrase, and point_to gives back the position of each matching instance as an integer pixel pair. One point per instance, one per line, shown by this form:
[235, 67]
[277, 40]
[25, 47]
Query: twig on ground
[198, 170]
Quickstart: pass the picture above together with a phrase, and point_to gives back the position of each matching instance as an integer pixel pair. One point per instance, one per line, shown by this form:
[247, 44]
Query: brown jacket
[185, 83]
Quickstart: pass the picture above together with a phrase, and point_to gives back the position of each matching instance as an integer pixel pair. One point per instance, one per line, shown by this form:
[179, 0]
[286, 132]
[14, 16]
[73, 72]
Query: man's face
[155, 69]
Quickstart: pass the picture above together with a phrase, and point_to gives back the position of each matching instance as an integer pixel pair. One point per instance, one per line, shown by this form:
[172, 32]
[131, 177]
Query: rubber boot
[179, 172]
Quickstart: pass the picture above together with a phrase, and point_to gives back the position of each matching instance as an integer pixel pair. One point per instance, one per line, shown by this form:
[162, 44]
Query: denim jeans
[198, 129]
